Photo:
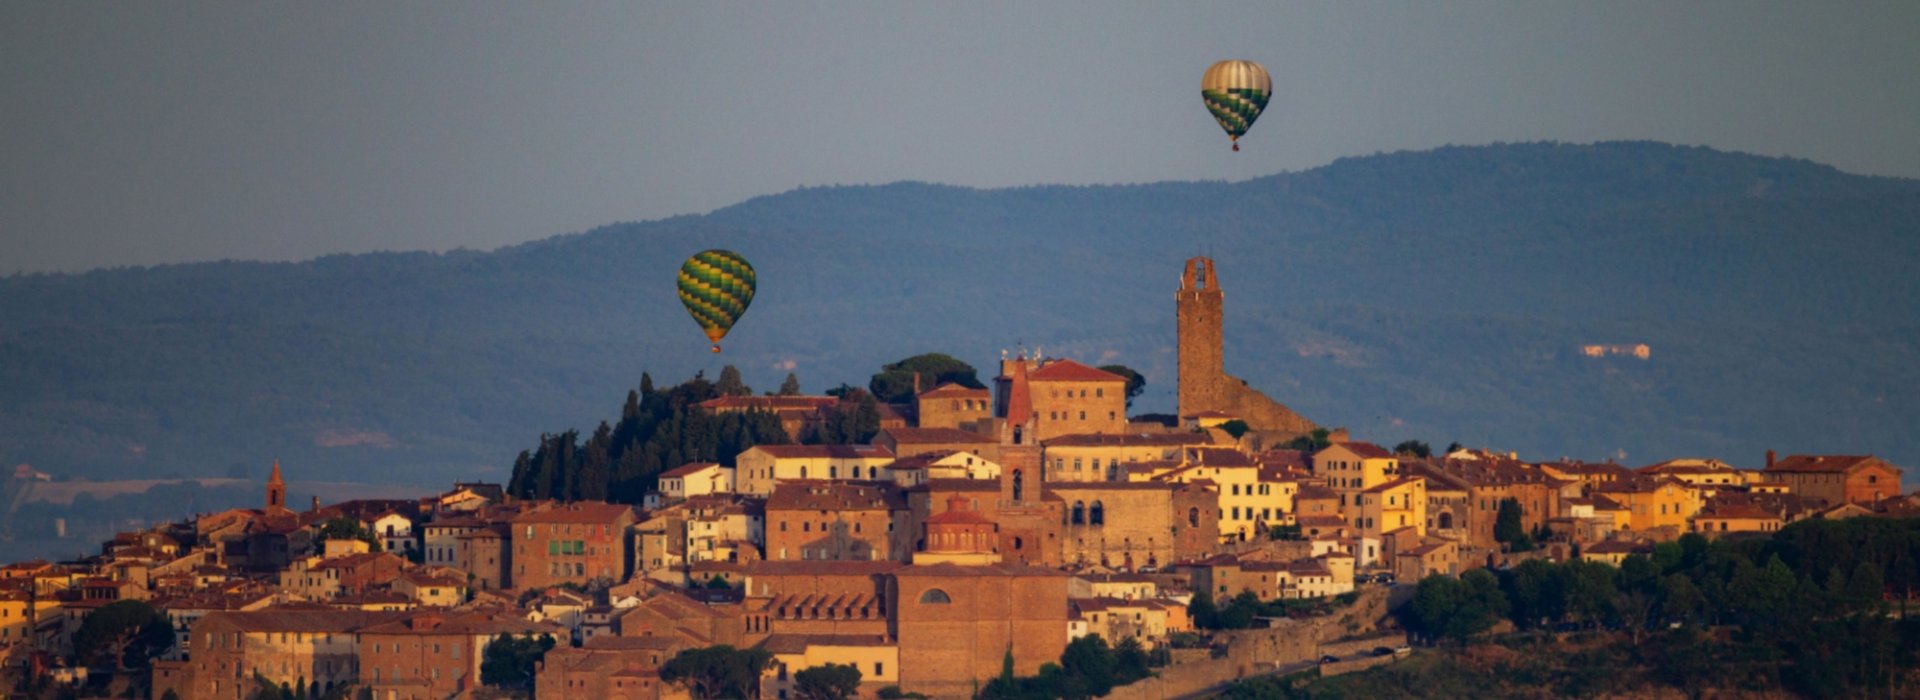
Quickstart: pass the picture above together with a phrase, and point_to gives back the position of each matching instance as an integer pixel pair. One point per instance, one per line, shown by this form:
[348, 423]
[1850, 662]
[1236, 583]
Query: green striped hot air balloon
[716, 286]
[1236, 92]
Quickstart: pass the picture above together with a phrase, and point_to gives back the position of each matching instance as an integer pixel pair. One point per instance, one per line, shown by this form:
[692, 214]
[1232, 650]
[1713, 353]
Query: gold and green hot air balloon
[1236, 92]
[716, 286]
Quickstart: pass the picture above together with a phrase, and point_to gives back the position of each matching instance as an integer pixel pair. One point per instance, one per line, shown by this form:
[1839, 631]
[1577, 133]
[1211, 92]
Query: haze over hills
[1439, 295]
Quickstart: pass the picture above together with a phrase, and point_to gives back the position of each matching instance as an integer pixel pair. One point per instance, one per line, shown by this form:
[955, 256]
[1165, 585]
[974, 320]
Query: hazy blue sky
[139, 133]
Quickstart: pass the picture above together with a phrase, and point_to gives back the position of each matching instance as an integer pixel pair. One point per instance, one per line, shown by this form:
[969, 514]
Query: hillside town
[979, 533]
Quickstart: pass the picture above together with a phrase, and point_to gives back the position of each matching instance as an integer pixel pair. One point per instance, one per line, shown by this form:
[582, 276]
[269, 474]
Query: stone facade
[574, 543]
[1135, 524]
[1204, 382]
[957, 623]
[836, 521]
[954, 406]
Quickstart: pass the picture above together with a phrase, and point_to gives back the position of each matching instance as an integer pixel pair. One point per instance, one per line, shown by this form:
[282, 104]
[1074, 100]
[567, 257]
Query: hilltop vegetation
[1437, 295]
[1801, 612]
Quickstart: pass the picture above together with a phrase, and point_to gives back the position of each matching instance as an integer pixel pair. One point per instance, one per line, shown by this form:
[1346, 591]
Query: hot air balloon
[1235, 92]
[716, 286]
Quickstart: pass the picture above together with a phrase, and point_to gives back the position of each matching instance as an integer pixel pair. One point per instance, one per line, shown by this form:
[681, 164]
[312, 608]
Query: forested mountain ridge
[1439, 295]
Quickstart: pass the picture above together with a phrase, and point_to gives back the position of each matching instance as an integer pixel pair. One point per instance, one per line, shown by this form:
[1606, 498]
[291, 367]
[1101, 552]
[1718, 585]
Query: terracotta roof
[1818, 463]
[952, 390]
[1070, 371]
[944, 485]
[1320, 520]
[816, 568]
[1129, 440]
[826, 451]
[814, 494]
[1019, 395]
[787, 643]
[1315, 492]
[288, 619]
[945, 569]
[1294, 459]
[1218, 457]
[1396, 483]
[1367, 450]
[935, 436]
[590, 512]
[1736, 512]
[689, 469]
[1615, 547]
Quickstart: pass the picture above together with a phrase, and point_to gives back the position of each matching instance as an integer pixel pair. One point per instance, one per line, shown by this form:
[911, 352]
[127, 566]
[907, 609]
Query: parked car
[1383, 651]
[1329, 659]
[1402, 651]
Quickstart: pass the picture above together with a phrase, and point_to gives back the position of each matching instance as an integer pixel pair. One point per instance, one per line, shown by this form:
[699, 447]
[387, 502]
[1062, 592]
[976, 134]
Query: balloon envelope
[716, 286]
[1236, 92]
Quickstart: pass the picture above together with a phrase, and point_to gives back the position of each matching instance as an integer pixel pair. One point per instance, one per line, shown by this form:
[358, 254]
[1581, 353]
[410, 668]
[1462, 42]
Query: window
[1079, 513]
[878, 669]
[935, 596]
[1097, 516]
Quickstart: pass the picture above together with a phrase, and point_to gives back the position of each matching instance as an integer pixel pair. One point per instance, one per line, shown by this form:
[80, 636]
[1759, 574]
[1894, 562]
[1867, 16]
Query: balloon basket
[1236, 148]
[716, 348]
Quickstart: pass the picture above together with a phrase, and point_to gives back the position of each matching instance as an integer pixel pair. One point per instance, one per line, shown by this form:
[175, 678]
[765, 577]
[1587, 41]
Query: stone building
[762, 466]
[285, 646]
[1106, 457]
[958, 623]
[430, 655]
[1129, 525]
[1038, 399]
[607, 668]
[1837, 479]
[572, 543]
[954, 406]
[1204, 384]
[826, 520]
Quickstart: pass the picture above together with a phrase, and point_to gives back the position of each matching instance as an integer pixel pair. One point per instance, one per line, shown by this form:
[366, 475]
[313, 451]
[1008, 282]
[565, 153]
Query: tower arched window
[1097, 515]
[1193, 517]
[1019, 484]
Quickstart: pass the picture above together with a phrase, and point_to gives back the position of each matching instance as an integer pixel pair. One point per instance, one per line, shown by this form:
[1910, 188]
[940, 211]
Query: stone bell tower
[1197, 306]
[1204, 382]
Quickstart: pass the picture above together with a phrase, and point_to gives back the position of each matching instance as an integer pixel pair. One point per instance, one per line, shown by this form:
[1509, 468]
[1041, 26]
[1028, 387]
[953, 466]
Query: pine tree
[790, 387]
[646, 384]
[731, 384]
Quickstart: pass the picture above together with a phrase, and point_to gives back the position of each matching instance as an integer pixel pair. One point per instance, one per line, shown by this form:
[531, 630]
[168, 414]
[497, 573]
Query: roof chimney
[1769, 459]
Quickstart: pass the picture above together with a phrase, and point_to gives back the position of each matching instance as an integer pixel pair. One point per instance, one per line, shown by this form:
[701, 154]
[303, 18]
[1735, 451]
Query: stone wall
[1255, 652]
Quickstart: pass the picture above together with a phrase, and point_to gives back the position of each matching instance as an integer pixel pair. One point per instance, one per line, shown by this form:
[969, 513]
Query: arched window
[872, 472]
[1079, 513]
[1193, 517]
[1098, 515]
[833, 472]
[935, 596]
[803, 471]
[1019, 484]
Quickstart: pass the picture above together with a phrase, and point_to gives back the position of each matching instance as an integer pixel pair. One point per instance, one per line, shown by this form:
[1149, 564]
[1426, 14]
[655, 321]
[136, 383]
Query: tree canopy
[657, 431]
[124, 634]
[1136, 382]
[509, 661]
[827, 682]
[715, 672]
[895, 382]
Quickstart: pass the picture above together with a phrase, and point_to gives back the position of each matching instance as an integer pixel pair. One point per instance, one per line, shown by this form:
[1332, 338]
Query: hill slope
[1437, 295]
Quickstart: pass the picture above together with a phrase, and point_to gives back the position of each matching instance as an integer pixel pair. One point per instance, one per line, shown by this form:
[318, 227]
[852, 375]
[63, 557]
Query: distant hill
[1439, 295]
